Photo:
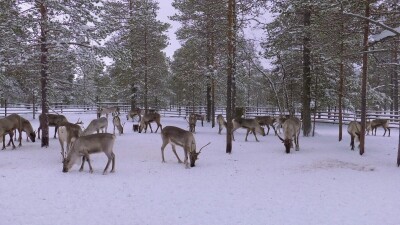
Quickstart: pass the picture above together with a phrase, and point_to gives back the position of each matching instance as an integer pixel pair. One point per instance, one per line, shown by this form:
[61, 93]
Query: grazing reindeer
[221, 122]
[7, 127]
[249, 124]
[374, 124]
[185, 139]
[90, 144]
[266, 121]
[134, 112]
[354, 129]
[68, 133]
[291, 129]
[21, 124]
[105, 111]
[96, 125]
[54, 121]
[192, 123]
[147, 119]
[117, 123]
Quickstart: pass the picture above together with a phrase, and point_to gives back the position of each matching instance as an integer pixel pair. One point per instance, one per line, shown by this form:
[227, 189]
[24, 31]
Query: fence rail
[328, 116]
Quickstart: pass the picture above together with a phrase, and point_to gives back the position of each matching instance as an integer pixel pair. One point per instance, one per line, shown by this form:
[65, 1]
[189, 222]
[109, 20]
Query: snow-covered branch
[389, 32]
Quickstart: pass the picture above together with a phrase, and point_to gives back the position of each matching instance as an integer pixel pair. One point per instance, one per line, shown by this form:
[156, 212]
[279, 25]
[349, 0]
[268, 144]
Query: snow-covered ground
[323, 183]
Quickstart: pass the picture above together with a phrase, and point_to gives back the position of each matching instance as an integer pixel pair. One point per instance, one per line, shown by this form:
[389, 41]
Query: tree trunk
[306, 73]
[230, 72]
[341, 78]
[44, 72]
[132, 50]
[364, 79]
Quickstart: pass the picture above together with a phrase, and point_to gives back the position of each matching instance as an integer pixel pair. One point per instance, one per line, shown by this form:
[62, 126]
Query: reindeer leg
[268, 129]
[4, 142]
[174, 150]
[384, 133]
[113, 163]
[254, 132]
[11, 139]
[186, 162]
[389, 131]
[162, 150]
[55, 131]
[150, 128]
[352, 142]
[110, 158]
[83, 163]
[88, 160]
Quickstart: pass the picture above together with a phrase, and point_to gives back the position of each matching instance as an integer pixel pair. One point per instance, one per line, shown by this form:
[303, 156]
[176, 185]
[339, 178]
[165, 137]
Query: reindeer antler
[79, 122]
[203, 147]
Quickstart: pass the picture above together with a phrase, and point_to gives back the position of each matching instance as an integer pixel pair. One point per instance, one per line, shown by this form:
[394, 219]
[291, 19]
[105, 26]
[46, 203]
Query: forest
[321, 54]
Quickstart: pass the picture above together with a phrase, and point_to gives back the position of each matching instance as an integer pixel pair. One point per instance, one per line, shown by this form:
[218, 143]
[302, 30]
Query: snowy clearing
[323, 183]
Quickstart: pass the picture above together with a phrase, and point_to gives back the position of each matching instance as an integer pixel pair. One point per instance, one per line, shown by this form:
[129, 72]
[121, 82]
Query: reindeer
[200, 117]
[105, 111]
[7, 127]
[117, 123]
[221, 122]
[54, 120]
[374, 124]
[185, 139]
[249, 124]
[134, 112]
[192, 123]
[266, 121]
[21, 124]
[354, 129]
[68, 133]
[96, 125]
[291, 129]
[147, 119]
[90, 144]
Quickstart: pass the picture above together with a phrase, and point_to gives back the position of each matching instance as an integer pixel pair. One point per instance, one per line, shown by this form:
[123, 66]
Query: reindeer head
[287, 143]
[32, 136]
[193, 155]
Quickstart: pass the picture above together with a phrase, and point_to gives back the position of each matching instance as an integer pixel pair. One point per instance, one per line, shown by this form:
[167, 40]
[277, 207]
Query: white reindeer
[96, 125]
[354, 129]
[291, 131]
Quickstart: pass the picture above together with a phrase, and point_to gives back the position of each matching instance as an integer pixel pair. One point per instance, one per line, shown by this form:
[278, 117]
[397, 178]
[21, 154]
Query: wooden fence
[328, 116]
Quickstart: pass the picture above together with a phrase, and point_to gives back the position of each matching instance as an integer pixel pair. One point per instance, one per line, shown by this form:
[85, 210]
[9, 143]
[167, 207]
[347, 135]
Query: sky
[167, 10]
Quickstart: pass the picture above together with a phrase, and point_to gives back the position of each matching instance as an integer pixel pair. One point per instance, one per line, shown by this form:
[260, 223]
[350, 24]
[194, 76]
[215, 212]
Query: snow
[384, 34]
[323, 183]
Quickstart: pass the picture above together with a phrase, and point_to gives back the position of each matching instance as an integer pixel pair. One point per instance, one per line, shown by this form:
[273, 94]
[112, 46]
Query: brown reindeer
[249, 124]
[21, 125]
[7, 127]
[374, 124]
[134, 112]
[54, 120]
[90, 144]
[149, 118]
[117, 124]
[192, 123]
[266, 121]
[177, 136]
